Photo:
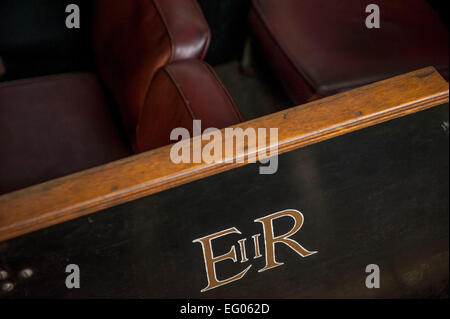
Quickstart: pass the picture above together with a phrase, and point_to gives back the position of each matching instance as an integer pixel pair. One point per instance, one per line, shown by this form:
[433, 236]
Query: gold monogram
[269, 239]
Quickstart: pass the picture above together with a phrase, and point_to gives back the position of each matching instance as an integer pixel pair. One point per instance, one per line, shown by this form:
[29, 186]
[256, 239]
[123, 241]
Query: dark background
[34, 40]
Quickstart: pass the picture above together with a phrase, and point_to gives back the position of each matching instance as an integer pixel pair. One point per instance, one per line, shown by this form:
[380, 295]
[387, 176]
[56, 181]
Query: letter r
[270, 240]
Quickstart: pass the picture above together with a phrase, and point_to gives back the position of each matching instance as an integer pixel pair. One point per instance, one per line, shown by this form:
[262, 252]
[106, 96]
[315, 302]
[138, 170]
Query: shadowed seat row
[322, 47]
[147, 64]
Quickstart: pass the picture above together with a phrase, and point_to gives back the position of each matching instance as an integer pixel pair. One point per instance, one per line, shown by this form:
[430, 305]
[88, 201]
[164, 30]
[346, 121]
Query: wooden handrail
[115, 183]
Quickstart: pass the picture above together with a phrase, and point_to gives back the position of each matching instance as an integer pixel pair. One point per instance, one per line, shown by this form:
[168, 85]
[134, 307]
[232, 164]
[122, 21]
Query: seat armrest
[180, 93]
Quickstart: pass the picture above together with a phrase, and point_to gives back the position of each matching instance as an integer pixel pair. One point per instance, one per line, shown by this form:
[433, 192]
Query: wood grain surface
[92, 190]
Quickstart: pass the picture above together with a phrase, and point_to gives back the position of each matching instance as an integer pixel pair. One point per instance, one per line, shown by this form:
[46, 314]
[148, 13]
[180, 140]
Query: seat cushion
[133, 39]
[180, 93]
[53, 126]
[323, 46]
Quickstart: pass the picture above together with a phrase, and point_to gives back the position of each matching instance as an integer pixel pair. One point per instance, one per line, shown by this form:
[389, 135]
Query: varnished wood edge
[18, 216]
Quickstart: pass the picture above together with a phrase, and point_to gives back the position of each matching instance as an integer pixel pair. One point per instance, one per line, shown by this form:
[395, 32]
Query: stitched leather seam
[166, 26]
[223, 91]
[186, 101]
[209, 36]
[141, 107]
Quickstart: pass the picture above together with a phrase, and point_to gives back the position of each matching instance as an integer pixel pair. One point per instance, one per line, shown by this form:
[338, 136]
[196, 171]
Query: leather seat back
[133, 39]
[182, 92]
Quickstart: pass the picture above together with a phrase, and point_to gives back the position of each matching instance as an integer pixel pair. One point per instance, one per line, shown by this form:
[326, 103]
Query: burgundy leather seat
[133, 39]
[53, 126]
[180, 93]
[56, 125]
[320, 47]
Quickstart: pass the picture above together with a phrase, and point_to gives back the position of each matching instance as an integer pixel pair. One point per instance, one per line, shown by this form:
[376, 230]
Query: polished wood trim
[92, 190]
